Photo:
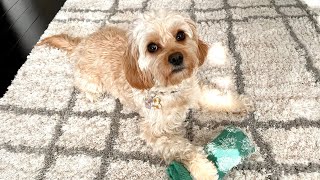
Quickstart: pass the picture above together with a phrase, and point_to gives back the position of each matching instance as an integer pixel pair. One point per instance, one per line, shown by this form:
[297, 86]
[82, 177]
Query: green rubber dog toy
[226, 151]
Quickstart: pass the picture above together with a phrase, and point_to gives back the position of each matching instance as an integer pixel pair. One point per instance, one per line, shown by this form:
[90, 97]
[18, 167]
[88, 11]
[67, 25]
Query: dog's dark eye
[152, 47]
[180, 36]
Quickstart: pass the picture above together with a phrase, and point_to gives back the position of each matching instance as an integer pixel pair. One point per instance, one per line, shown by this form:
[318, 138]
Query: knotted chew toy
[226, 151]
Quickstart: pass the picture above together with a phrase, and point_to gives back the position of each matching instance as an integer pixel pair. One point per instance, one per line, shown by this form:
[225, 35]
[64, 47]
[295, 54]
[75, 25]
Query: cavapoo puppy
[151, 67]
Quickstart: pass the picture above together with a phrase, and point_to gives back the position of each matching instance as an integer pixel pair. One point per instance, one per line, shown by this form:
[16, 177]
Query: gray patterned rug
[49, 131]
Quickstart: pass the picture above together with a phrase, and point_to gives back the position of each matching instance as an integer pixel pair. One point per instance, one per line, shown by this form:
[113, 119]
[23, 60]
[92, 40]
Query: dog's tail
[61, 41]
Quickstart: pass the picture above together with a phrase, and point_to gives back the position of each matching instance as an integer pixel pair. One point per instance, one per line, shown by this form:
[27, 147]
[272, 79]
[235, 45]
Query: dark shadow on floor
[22, 22]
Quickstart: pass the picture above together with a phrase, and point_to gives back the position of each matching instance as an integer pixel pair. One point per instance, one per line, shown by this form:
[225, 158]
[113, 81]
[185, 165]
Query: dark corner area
[22, 22]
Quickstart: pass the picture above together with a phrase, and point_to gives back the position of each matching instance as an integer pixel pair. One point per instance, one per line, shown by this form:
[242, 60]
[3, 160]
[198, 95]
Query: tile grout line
[191, 136]
[108, 151]
[242, 7]
[192, 11]
[78, 20]
[90, 114]
[189, 118]
[85, 10]
[30, 111]
[145, 5]
[264, 147]
[214, 125]
[252, 166]
[239, 80]
[297, 122]
[190, 126]
[309, 62]
[22, 149]
[108, 16]
[140, 156]
[155, 160]
[114, 126]
[62, 150]
[294, 168]
[257, 124]
[305, 8]
[113, 11]
[49, 158]
[245, 19]
[75, 10]
[120, 21]
[297, 168]
[43, 111]
[287, 125]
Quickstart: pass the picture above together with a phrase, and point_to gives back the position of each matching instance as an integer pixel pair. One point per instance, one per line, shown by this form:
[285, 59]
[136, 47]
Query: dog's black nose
[176, 58]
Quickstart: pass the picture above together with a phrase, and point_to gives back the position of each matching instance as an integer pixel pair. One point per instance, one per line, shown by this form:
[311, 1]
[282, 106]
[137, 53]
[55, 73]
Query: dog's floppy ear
[202, 46]
[135, 76]
[202, 51]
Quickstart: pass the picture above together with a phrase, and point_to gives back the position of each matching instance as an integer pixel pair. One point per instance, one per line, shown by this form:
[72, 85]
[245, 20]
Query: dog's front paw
[203, 169]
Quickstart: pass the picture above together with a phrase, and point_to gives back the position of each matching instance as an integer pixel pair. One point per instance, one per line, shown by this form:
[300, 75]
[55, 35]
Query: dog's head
[163, 49]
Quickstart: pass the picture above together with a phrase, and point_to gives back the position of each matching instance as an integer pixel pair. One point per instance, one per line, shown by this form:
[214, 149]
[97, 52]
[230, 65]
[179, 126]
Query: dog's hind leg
[91, 88]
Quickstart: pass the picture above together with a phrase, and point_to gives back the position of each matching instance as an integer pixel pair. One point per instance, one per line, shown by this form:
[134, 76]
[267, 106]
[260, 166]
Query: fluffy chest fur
[175, 102]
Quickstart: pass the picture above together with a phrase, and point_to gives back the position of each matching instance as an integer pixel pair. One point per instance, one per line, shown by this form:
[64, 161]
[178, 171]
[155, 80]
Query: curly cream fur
[116, 61]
